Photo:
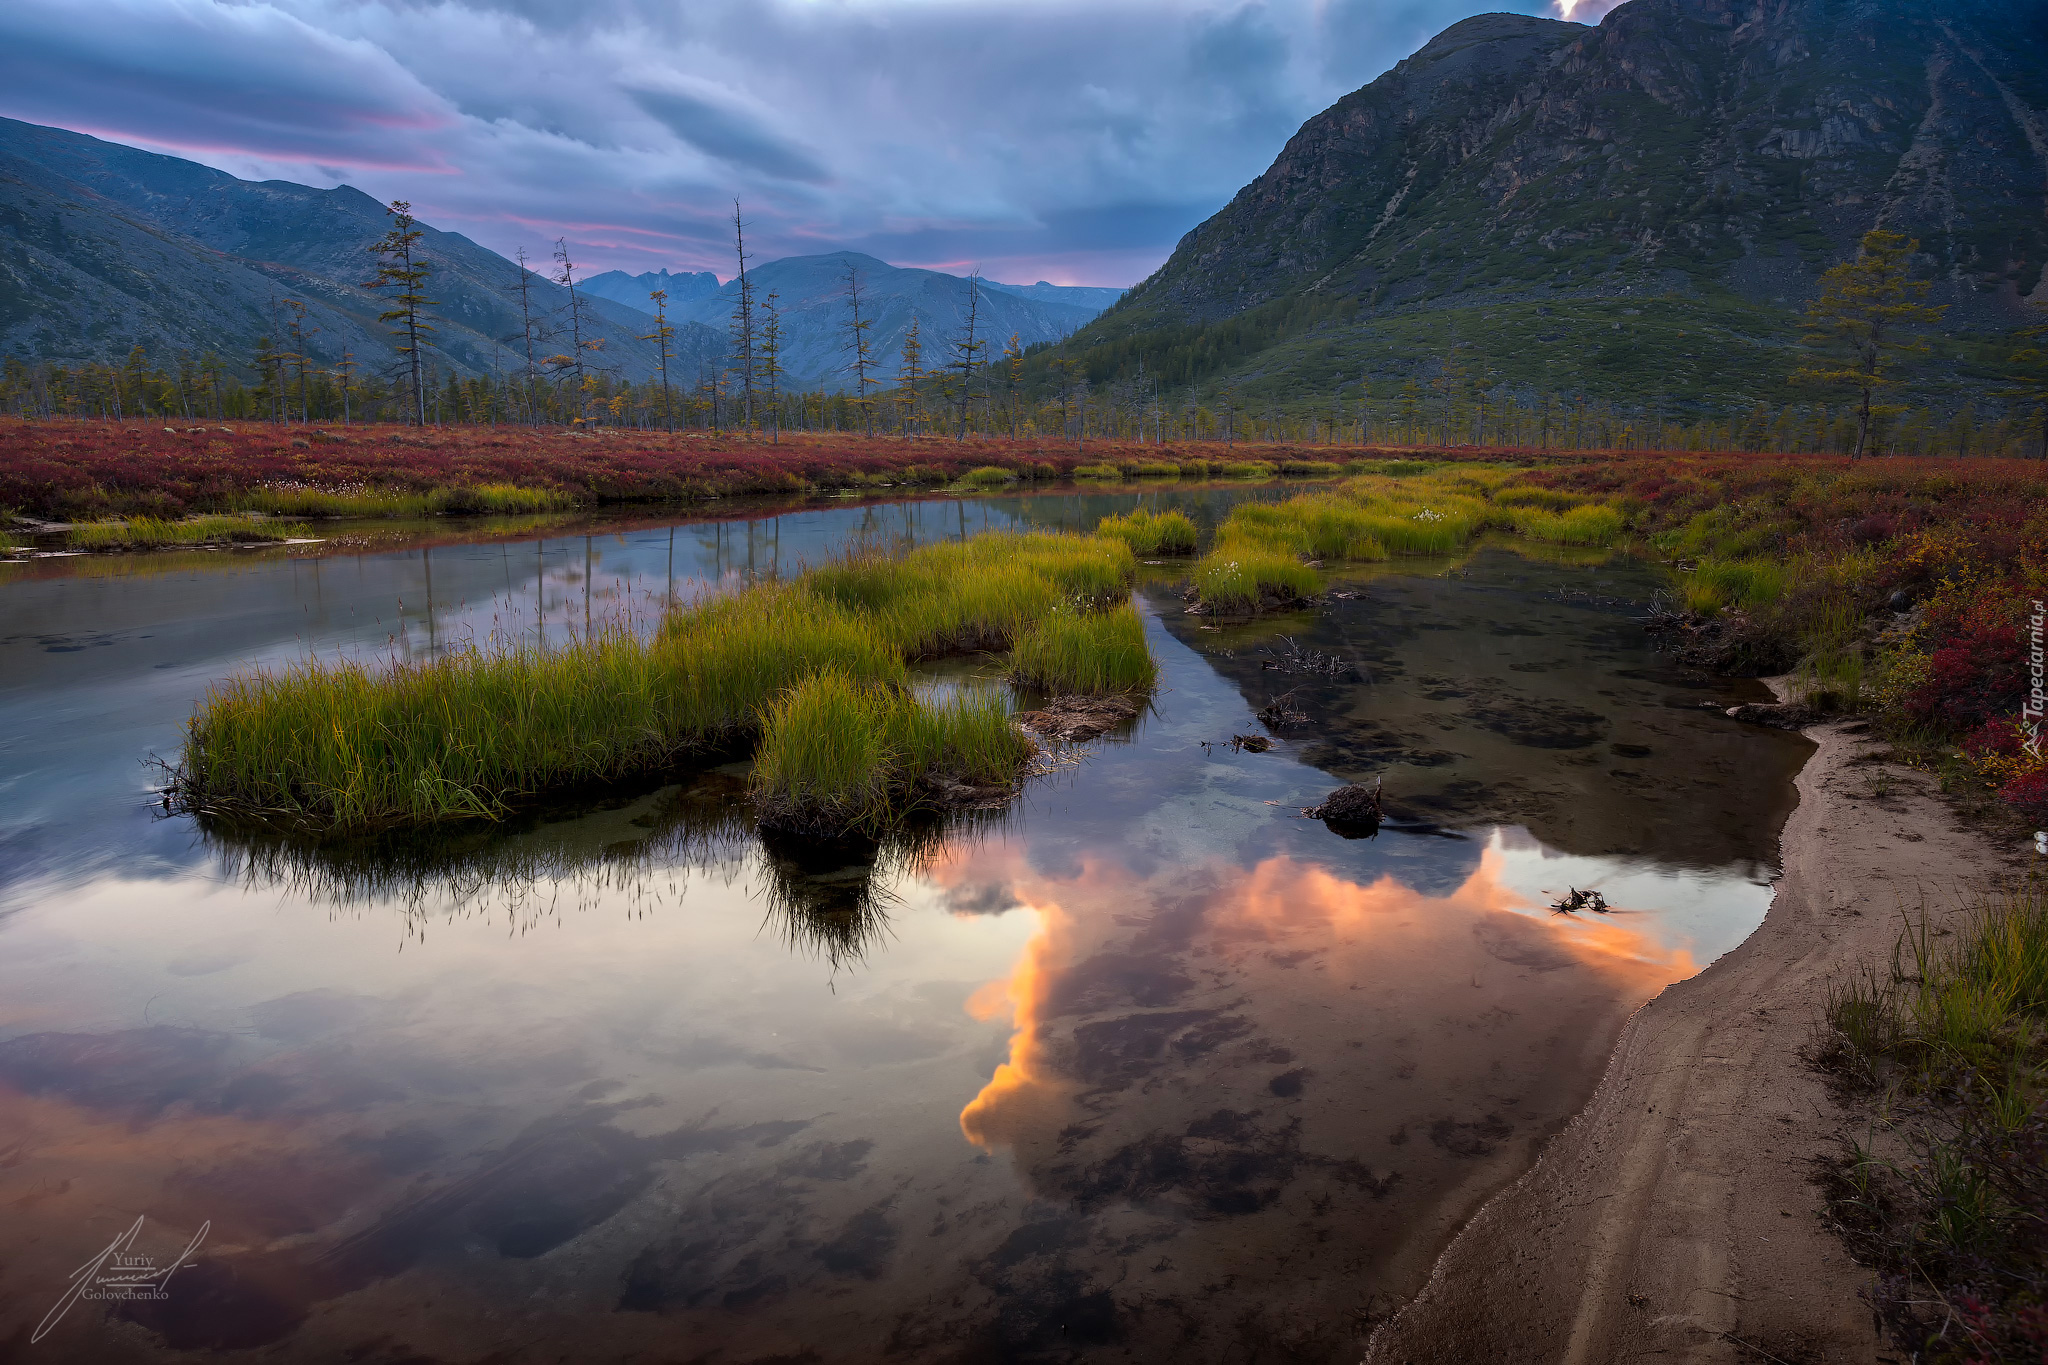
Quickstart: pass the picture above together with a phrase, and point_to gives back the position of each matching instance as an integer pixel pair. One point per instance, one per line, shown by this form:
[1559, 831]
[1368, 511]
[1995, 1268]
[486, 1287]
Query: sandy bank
[1673, 1219]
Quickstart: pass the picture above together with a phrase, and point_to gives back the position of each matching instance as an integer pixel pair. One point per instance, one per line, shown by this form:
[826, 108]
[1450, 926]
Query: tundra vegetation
[812, 675]
[1945, 1193]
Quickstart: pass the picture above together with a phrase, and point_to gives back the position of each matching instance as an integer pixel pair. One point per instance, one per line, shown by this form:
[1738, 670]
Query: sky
[1067, 140]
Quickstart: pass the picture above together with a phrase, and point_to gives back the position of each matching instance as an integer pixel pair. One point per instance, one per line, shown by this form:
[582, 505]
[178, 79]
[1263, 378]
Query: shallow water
[1150, 1064]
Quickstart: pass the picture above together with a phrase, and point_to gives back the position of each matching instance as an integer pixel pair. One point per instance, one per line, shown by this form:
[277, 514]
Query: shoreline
[1673, 1217]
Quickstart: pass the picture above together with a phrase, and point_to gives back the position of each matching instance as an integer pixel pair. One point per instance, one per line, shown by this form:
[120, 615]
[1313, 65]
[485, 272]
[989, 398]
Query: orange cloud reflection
[1384, 957]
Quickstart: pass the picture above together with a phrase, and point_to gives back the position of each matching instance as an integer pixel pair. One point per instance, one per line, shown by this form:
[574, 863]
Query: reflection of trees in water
[825, 897]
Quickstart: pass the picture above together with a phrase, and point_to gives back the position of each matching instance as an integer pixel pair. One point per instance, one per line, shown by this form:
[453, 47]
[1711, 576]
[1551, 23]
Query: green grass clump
[1748, 583]
[1955, 1037]
[1590, 524]
[9, 543]
[1237, 577]
[1247, 469]
[988, 476]
[145, 533]
[308, 500]
[345, 748]
[1101, 651]
[497, 499]
[1152, 469]
[1311, 468]
[842, 754]
[1097, 471]
[1148, 533]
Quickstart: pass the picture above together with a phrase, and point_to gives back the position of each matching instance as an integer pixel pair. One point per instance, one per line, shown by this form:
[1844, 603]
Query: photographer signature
[119, 1272]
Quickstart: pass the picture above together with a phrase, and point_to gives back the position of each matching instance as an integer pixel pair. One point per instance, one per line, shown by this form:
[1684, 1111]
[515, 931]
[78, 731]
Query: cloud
[731, 134]
[1071, 140]
[1583, 11]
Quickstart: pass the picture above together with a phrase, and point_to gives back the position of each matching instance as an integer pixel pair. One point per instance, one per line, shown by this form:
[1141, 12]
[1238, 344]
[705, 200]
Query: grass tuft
[1101, 651]
[1147, 533]
[148, 533]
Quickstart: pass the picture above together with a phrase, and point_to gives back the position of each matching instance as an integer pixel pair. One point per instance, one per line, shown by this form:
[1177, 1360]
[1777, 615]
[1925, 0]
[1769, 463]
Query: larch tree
[531, 330]
[1860, 327]
[741, 328]
[860, 349]
[1013, 379]
[663, 336]
[401, 267]
[771, 365]
[584, 341]
[967, 346]
[302, 362]
[909, 373]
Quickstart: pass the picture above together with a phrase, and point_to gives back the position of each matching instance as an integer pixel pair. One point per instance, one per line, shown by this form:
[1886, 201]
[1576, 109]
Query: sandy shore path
[1674, 1219]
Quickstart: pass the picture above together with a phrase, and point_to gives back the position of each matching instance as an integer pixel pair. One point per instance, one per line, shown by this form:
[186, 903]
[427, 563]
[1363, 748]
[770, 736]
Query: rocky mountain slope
[632, 290]
[1671, 183]
[812, 302]
[104, 247]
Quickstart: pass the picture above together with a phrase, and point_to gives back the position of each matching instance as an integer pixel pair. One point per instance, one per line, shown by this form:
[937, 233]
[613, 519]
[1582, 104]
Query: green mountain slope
[1634, 212]
[104, 247]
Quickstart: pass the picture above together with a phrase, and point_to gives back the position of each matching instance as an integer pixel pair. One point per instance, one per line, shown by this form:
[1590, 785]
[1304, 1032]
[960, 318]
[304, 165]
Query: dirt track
[1673, 1220]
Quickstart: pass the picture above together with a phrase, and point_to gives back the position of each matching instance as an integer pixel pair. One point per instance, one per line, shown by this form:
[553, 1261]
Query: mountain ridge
[1515, 188]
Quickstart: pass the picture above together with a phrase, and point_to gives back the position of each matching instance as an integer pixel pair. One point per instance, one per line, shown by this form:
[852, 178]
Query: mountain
[632, 290]
[1091, 297]
[105, 247]
[1630, 211]
[812, 303]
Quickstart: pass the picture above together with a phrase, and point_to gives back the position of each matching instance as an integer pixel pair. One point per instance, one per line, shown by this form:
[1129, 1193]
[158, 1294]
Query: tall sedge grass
[1396, 508]
[371, 501]
[841, 754]
[1099, 651]
[342, 747]
[1588, 524]
[1240, 578]
[1149, 533]
[1718, 584]
[988, 476]
[142, 533]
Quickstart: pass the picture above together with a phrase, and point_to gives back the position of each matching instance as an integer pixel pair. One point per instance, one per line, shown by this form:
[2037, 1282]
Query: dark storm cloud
[1063, 139]
[728, 134]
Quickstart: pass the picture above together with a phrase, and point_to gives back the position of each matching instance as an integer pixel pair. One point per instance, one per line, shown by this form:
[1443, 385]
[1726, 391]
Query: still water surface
[1150, 1066]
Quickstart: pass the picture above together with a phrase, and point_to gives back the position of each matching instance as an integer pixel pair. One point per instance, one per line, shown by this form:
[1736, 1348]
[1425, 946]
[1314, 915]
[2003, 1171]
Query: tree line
[1861, 335]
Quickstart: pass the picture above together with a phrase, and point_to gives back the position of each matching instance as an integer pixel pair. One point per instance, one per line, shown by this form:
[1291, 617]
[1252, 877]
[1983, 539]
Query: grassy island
[811, 674]
[1261, 558]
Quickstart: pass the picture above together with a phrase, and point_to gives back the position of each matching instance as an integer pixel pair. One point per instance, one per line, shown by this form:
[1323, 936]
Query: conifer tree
[741, 327]
[1857, 329]
[909, 372]
[771, 365]
[1013, 378]
[302, 363]
[583, 338]
[967, 348]
[662, 336]
[861, 349]
[401, 266]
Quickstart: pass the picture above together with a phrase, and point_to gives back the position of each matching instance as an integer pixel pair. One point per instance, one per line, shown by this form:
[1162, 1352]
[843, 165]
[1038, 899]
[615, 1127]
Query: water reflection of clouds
[1390, 940]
